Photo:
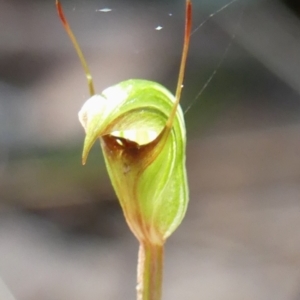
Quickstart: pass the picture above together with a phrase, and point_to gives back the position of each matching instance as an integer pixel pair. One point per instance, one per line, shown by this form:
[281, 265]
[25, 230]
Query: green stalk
[150, 269]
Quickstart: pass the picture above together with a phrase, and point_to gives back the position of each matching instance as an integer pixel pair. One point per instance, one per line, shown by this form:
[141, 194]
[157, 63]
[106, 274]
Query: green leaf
[145, 160]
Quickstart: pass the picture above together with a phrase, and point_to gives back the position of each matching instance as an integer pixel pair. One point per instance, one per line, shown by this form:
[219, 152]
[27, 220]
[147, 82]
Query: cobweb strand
[225, 53]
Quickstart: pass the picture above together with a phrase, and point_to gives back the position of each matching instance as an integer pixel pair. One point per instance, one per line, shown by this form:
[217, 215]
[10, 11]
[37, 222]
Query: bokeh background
[62, 233]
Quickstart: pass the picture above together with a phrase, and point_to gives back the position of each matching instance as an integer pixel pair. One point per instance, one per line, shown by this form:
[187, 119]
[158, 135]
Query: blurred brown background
[62, 234]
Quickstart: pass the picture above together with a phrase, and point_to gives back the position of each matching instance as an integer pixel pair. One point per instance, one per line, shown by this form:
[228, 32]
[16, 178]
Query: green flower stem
[150, 269]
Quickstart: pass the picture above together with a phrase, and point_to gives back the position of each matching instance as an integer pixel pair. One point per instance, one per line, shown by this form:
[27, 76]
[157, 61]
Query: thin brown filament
[77, 47]
[187, 35]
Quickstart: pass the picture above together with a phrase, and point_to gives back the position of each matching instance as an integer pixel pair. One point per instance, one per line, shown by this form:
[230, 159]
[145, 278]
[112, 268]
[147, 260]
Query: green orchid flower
[141, 130]
[146, 164]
